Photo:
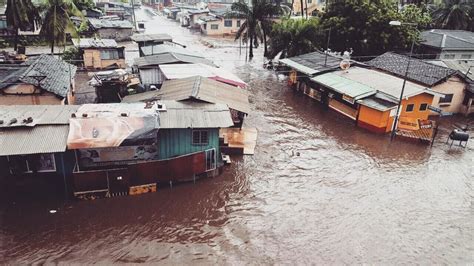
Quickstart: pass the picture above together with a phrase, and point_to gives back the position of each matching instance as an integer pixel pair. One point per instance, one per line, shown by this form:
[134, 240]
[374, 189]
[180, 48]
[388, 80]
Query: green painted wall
[176, 142]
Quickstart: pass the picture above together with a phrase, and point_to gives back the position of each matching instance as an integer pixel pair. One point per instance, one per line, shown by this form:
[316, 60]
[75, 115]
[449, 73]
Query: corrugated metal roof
[166, 48]
[169, 58]
[448, 39]
[105, 23]
[179, 71]
[39, 139]
[357, 81]
[195, 115]
[41, 114]
[199, 88]
[151, 38]
[377, 102]
[312, 63]
[344, 85]
[94, 43]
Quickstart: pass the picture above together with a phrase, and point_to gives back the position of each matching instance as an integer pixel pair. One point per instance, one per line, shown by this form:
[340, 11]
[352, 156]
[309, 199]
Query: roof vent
[1, 122]
[13, 121]
[84, 115]
[123, 114]
[73, 115]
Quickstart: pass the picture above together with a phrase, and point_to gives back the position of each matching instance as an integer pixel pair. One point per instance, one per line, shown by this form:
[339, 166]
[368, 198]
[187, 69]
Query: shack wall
[374, 120]
[417, 100]
[455, 86]
[177, 142]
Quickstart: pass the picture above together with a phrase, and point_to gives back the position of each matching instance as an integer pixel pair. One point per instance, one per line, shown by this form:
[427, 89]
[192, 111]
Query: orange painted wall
[417, 101]
[374, 120]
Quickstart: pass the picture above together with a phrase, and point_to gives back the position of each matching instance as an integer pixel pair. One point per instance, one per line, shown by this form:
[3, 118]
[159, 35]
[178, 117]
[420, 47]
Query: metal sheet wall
[176, 142]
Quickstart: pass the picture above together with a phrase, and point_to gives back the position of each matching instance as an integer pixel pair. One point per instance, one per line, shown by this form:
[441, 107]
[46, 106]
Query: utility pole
[133, 15]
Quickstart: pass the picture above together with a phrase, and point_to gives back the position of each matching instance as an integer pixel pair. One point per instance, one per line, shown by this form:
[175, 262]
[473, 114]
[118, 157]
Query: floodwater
[317, 191]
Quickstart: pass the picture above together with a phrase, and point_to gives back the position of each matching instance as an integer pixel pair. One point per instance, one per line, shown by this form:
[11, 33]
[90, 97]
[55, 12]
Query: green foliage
[295, 37]
[84, 4]
[21, 14]
[257, 20]
[57, 21]
[72, 56]
[363, 25]
[454, 15]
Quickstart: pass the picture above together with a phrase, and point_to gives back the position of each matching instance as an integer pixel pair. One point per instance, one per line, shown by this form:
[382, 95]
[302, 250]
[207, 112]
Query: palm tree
[453, 14]
[21, 15]
[57, 20]
[295, 37]
[257, 21]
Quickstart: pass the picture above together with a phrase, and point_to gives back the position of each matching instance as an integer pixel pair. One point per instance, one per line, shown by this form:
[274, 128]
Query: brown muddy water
[317, 191]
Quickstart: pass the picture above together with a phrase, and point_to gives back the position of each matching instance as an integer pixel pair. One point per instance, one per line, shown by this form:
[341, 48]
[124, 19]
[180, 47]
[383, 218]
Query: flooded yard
[318, 190]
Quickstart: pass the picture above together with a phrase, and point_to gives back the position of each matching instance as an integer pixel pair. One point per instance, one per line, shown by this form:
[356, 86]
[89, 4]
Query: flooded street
[318, 190]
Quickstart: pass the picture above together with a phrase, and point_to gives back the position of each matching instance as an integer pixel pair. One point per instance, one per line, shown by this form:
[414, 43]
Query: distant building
[448, 82]
[43, 80]
[101, 53]
[310, 7]
[447, 44]
[119, 30]
[144, 40]
[216, 23]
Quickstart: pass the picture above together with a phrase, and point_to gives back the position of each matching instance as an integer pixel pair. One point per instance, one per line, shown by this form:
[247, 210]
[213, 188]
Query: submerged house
[101, 53]
[451, 85]
[43, 80]
[119, 30]
[33, 142]
[202, 90]
[148, 67]
[371, 97]
[217, 22]
[112, 149]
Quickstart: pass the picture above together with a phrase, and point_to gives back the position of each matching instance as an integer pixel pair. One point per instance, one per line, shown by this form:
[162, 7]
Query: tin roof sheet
[198, 88]
[312, 63]
[106, 23]
[195, 115]
[34, 140]
[94, 43]
[152, 37]
[360, 82]
[41, 114]
[179, 71]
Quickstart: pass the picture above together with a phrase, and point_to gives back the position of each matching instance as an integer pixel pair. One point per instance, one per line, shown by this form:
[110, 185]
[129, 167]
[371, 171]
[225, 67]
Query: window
[449, 56]
[423, 106]
[109, 54]
[238, 23]
[227, 23]
[410, 107]
[310, 1]
[200, 137]
[214, 27]
[211, 159]
[32, 163]
[466, 56]
[447, 98]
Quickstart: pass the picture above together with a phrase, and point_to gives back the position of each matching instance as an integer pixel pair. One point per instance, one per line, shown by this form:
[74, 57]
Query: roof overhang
[301, 68]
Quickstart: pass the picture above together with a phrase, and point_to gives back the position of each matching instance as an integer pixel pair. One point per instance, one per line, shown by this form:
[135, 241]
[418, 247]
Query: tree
[257, 22]
[57, 21]
[363, 25]
[453, 14]
[84, 4]
[21, 15]
[295, 37]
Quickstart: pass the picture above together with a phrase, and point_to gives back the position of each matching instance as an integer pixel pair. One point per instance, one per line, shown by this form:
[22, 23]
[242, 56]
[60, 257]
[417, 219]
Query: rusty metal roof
[94, 43]
[198, 88]
[33, 140]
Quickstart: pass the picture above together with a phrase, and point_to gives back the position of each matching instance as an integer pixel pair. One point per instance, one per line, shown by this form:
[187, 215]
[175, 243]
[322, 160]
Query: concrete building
[448, 82]
[447, 44]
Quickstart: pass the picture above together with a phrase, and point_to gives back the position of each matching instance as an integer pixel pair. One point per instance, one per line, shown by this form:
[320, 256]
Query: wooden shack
[101, 53]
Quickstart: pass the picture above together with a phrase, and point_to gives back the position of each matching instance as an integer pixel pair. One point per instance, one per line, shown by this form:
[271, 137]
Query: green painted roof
[345, 86]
